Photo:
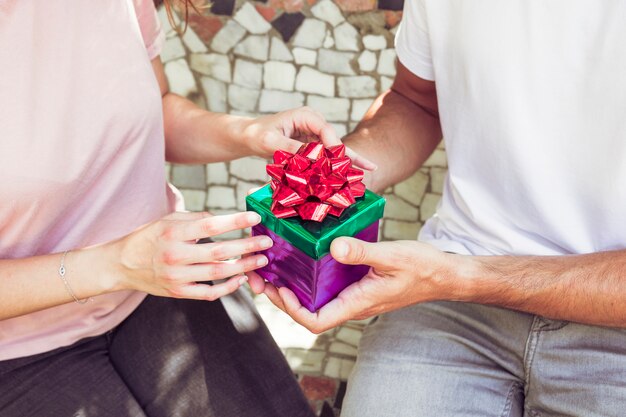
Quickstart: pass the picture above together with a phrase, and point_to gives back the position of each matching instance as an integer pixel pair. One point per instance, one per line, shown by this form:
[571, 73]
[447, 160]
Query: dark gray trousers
[169, 358]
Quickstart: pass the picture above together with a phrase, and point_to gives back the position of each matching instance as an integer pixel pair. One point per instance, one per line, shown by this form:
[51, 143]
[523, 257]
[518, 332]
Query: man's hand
[401, 273]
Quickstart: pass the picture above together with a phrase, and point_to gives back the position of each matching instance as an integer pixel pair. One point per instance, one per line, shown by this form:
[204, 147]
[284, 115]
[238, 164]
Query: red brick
[392, 18]
[267, 12]
[205, 26]
[290, 6]
[356, 5]
[318, 388]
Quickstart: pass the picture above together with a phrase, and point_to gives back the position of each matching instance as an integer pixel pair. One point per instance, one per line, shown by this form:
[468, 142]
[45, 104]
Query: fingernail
[243, 280]
[341, 249]
[261, 261]
[266, 243]
[254, 217]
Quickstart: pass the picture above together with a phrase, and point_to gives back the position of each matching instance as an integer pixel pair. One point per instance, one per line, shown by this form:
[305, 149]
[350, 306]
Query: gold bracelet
[67, 285]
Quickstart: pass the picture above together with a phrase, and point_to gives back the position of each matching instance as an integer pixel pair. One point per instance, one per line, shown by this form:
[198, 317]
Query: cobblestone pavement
[321, 362]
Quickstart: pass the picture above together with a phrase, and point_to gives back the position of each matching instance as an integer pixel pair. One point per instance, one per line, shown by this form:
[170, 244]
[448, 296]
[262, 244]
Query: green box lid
[314, 238]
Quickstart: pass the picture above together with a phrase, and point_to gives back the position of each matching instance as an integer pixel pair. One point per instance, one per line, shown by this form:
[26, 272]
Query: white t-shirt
[532, 100]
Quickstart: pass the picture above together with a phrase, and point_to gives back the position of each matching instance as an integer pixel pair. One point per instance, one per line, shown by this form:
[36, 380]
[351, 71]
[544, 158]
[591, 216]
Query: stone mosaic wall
[259, 57]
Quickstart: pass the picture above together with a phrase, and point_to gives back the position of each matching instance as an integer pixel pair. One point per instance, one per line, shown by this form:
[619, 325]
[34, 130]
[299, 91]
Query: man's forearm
[398, 135]
[588, 288]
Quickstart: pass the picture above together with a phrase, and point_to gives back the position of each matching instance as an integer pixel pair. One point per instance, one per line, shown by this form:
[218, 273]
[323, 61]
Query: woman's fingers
[220, 251]
[214, 270]
[209, 292]
[211, 226]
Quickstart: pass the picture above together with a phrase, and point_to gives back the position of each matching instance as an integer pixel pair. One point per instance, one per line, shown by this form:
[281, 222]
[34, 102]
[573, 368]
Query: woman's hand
[288, 129]
[163, 259]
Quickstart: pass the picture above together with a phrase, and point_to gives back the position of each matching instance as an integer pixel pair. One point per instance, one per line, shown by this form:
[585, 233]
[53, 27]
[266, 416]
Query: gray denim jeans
[449, 359]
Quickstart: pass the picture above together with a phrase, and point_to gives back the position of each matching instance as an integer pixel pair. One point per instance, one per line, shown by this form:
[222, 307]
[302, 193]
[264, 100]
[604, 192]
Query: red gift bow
[314, 182]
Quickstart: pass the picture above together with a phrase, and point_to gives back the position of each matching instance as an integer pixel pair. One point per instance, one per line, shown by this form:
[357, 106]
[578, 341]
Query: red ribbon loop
[314, 182]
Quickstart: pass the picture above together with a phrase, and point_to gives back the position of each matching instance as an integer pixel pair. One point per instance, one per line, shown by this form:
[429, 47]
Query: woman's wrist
[240, 134]
[104, 261]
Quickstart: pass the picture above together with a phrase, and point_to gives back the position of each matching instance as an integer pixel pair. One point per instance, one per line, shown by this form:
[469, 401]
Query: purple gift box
[300, 258]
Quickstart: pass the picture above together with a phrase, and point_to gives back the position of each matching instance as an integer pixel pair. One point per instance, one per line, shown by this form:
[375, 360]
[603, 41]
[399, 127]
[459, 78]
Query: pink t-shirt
[81, 147]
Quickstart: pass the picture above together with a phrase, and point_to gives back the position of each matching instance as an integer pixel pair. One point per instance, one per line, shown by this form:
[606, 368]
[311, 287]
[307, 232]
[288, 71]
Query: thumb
[351, 251]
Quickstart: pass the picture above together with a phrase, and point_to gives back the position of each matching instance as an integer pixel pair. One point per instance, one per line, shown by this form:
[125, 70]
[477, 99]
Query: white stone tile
[286, 332]
[333, 109]
[279, 51]
[346, 37]
[279, 75]
[428, 207]
[248, 17]
[168, 171]
[437, 159]
[340, 128]
[305, 361]
[387, 62]
[213, 65]
[243, 189]
[235, 234]
[172, 49]
[399, 230]
[398, 209]
[310, 34]
[215, 93]
[342, 349]
[251, 114]
[273, 101]
[353, 126]
[180, 79]
[227, 37]
[221, 197]
[194, 199]
[437, 178]
[359, 108]
[193, 42]
[254, 46]
[188, 176]
[359, 86]
[328, 11]
[413, 188]
[338, 368]
[162, 14]
[374, 42]
[248, 74]
[310, 80]
[249, 169]
[217, 173]
[305, 56]
[329, 41]
[385, 84]
[335, 62]
[349, 335]
[367, 61]
[243, 98]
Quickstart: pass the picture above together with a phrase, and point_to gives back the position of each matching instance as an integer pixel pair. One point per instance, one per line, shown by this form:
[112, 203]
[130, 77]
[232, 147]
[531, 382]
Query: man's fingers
[353, 251]
[256, 283]
[196, 291]
[272, 293]
[326, 318]
[212, 226]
